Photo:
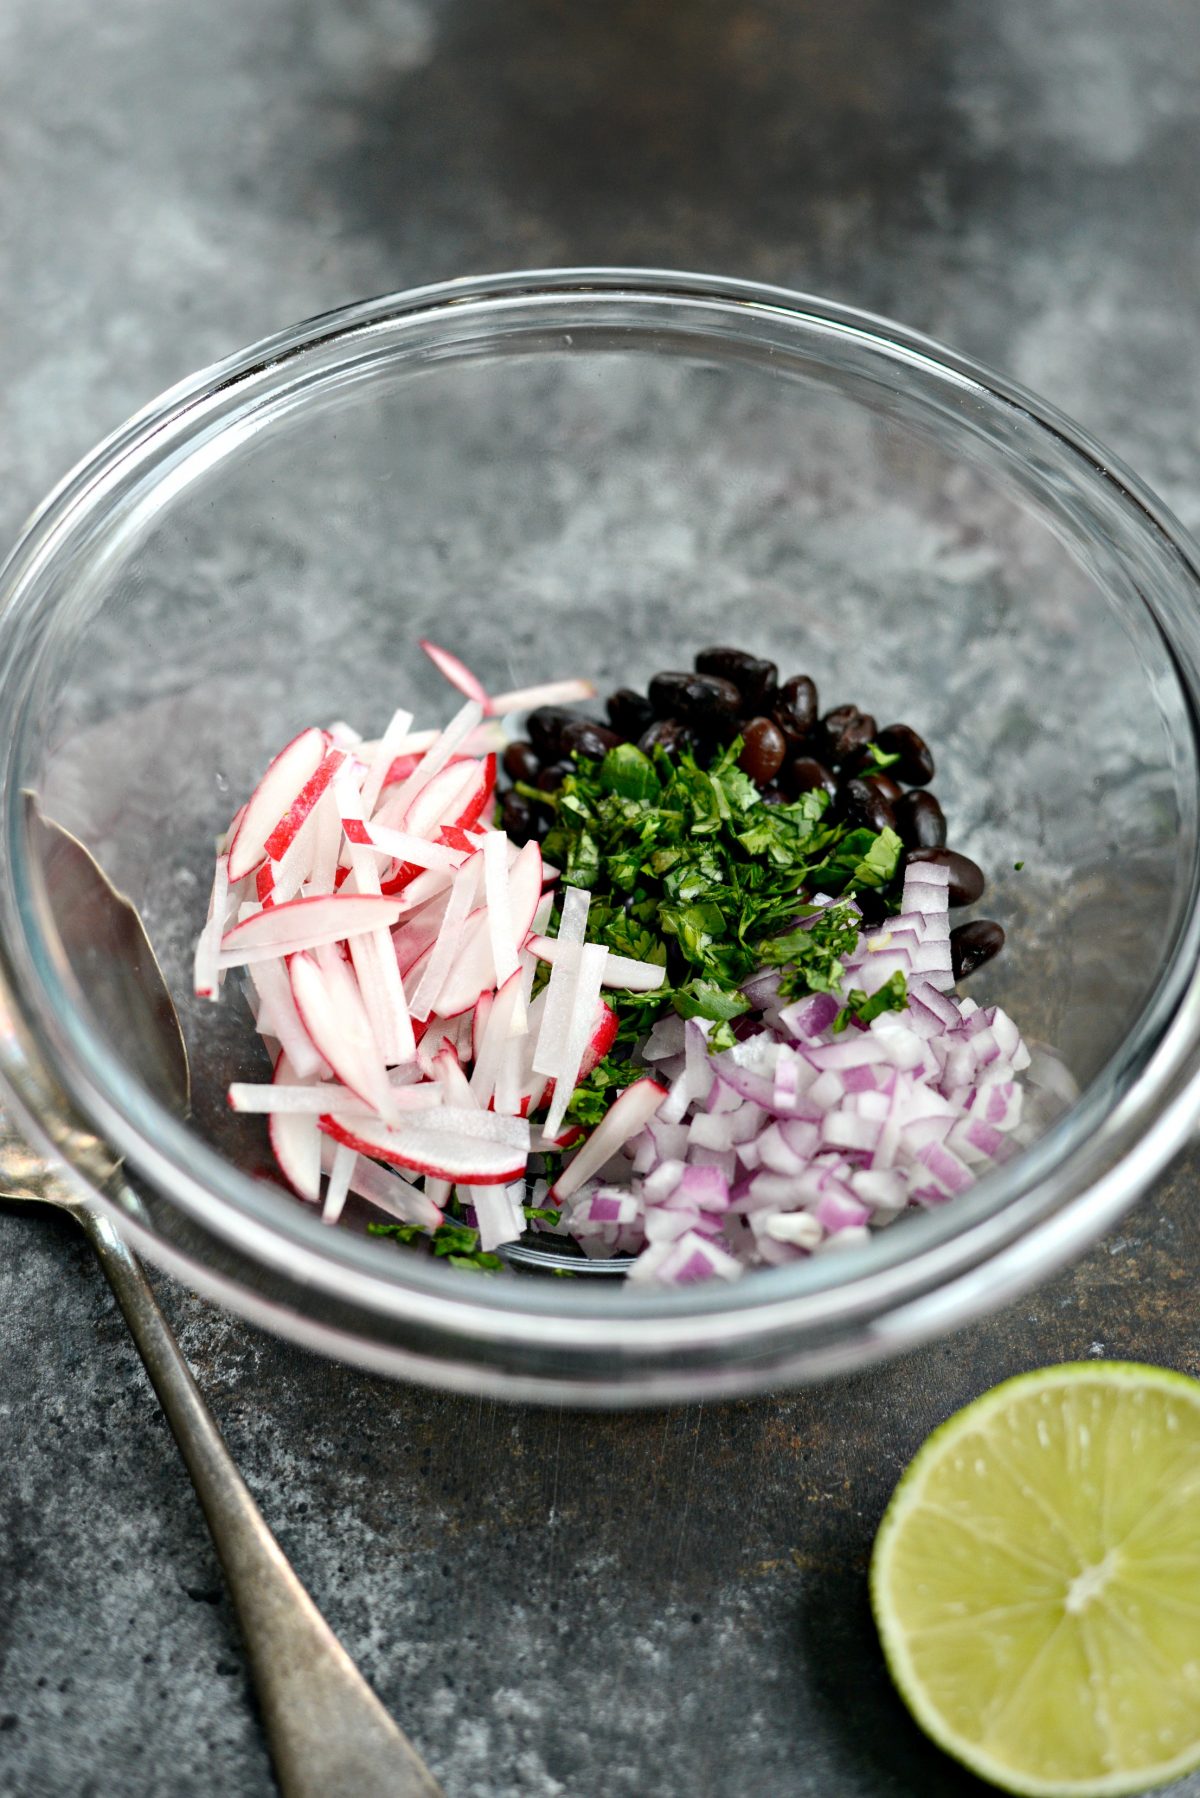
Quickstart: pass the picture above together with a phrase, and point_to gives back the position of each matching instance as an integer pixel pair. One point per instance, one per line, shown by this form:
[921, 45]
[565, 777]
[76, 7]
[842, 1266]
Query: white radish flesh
[279, 788]
[332, 1011]
[306, 924]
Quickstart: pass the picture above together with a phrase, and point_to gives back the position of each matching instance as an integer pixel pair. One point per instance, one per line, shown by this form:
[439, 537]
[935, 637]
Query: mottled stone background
[554, 1604]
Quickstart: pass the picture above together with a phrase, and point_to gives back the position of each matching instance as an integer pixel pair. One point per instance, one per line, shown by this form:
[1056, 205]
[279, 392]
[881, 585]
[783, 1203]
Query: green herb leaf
[891, 996]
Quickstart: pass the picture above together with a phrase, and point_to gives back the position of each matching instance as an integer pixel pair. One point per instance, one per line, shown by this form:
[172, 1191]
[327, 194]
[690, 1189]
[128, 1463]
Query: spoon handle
[330, 1737]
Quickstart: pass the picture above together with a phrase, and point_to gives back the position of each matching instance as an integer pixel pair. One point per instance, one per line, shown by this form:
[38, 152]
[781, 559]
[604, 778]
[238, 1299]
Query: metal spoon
[328, 1733]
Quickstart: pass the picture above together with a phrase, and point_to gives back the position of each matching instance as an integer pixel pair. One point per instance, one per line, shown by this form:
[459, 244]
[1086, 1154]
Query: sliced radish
[207, 973]
[556, 1019]
[456, 672]
[472, 971]
[389, 1191]
[630, 1113]
[494, 1038]
[453, 1153]
[277, 791]
[584, 999]
[288, 827]
[499, 908]
[555, 692]
[415, 851]
[338, 1187]
[381, 759]
[278, 1017]
[498, 1213]
[296, 1141]
[315, 1098]
[431, 973]
[620, 970]
[438, 754]
[305, 924]
[332, 1011]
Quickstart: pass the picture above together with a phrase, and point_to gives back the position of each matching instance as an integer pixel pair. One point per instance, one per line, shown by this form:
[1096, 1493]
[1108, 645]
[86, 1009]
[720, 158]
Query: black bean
[545, 727]
[520, 763]
[695, 699]
[667, 734]
[764, 747]
[974, 943]
[773, 796]
[864, 806]
[847, 730]
[871, 904]
[629, 713]
[921, 821]
[891, 789]
[551, 779]
[805, 774]
[794, 707]
[517, 817]
[915, 767]
[966, 877]
[753, 678]
[583, 736]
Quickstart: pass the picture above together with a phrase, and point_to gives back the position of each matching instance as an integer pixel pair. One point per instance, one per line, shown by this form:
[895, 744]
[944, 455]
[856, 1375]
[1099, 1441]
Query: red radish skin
[332, 1011]
[303, 923]
[628, 1114]
[277, 791]
[474, 1163]
[456, 672]
[288, 828]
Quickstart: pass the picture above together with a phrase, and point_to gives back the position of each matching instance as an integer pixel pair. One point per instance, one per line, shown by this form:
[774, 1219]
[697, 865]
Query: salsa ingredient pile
[681, 991]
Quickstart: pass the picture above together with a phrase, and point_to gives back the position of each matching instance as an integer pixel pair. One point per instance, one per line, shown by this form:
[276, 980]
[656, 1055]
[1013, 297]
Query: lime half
[1036, 1581]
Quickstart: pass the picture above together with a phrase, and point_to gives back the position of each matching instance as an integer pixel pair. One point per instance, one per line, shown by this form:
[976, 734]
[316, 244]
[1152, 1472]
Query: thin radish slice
[388, 1191]
[207, 972]
[277, 791]
[496, 1039]
[418, 850]
[499, 908]
[473, 969]
[630, 1113]
[498, 1213]
[455, 1155]
[449, 797]
[291, 873]
[447, 943]
[296, 1141]
[338, 1187]
[332, 1011]
[556, 1018]
[456, 672]
[584, 1000]
[306, 924]
[555, 692]
[278, 1017]
[298, 813]
[327, 848]
[438, 754]
[381, 758]
[326, 1096]
[620, 970]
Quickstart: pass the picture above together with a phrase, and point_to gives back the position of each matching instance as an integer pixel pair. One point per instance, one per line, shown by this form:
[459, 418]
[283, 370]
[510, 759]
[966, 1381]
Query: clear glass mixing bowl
[597, 472]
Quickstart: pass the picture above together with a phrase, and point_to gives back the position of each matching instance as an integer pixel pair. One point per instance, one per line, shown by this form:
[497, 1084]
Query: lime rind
[910, 1500]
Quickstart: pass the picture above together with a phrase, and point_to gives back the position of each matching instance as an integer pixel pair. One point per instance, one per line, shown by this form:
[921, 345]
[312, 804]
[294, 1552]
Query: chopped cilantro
[880, 758]
[690, 870]
[1017, 866]
[891, 996]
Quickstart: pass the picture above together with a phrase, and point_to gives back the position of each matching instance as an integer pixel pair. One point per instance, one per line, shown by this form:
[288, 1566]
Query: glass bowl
[597, 472]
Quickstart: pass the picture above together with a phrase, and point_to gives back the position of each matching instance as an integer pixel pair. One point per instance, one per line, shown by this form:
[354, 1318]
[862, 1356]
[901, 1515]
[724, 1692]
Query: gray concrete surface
[552, 1603]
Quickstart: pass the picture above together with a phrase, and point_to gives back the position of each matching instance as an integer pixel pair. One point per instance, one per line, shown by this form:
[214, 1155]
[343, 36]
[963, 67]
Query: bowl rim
[49, 1067]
